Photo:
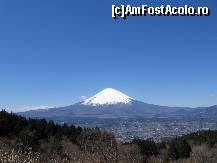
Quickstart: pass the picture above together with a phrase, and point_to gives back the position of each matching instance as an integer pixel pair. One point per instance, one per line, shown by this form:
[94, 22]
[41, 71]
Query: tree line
[52, 142]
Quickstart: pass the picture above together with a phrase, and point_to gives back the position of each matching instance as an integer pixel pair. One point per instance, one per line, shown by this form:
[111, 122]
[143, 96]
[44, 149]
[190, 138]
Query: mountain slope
[112, 104]
[108, 103]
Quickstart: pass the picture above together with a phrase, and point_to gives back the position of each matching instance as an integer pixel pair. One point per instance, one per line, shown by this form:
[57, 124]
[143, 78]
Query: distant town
[153, 129]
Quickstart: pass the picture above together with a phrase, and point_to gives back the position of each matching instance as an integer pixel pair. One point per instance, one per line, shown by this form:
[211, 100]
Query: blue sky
[53, 52]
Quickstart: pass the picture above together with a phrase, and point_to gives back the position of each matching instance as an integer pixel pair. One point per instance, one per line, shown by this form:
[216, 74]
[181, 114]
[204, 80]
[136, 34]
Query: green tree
[179, 148]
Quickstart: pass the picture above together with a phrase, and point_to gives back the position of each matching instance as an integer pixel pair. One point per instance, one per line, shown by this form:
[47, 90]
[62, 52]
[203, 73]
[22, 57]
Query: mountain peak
[108, 96]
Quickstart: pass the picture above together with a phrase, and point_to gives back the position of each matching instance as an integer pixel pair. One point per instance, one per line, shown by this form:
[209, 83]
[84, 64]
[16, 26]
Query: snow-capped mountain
[108, 96]
[110, 104]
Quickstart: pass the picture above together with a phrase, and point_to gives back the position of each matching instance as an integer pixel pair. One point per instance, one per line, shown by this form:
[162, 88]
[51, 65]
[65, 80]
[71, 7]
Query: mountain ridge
[116, 105]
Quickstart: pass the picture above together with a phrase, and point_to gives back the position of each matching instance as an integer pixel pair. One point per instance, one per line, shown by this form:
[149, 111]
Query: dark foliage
[32, 133]
[202, 137]
[179, 148]
[147, 147]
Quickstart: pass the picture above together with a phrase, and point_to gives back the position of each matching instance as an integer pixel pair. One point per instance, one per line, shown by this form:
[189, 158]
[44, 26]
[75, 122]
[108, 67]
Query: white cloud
[83, 97]
[26, 108]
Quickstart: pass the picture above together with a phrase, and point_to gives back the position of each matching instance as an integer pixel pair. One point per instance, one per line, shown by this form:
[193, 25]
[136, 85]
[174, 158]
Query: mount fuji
[111, 104]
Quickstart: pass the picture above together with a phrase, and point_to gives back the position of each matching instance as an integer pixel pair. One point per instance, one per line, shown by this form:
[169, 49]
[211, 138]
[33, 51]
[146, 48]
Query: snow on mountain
[26, 108]
[110, 103]
[108, 96]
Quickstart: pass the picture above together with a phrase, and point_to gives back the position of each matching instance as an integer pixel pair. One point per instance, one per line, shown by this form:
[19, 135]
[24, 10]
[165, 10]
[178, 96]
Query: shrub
[179, 148]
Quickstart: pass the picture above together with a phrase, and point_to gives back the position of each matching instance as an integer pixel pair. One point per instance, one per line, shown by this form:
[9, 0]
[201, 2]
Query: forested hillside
[31, 140]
